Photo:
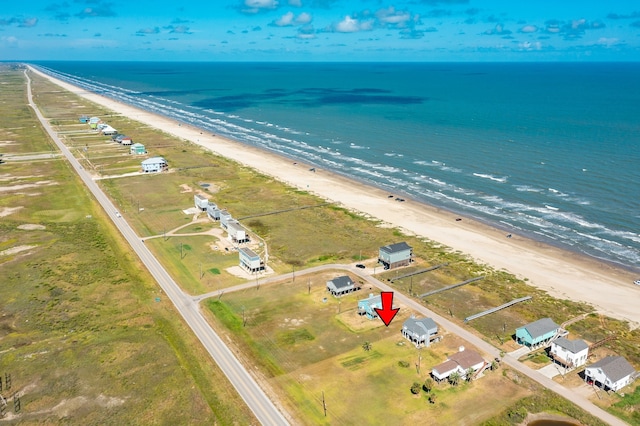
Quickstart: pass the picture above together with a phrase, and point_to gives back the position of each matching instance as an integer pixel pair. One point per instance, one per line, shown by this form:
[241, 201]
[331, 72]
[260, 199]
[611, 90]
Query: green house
[537, 333]
[137, 149]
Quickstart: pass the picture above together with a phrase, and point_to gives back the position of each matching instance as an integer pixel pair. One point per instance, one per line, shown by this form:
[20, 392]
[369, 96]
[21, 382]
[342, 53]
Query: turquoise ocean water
[548, 150]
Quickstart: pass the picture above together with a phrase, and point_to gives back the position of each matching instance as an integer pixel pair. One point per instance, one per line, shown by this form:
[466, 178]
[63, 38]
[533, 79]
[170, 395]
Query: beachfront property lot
[301, 238]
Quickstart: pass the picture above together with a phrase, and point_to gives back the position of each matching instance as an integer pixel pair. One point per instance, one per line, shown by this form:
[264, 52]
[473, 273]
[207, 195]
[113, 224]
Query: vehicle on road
[360, 265]
[118, 214]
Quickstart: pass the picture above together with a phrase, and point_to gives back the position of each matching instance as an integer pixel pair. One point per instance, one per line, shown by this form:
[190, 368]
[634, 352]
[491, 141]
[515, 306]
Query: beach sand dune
[561, 273]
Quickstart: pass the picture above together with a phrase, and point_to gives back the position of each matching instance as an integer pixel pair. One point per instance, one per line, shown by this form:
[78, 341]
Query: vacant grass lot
[302, 238]
[82, 334]
[308, 346]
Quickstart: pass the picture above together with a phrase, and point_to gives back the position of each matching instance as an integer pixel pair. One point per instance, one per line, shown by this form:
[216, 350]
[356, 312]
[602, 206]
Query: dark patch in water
[309, 97]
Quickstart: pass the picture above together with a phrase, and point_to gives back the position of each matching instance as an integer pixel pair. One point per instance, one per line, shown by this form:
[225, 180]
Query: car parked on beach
[637, 282]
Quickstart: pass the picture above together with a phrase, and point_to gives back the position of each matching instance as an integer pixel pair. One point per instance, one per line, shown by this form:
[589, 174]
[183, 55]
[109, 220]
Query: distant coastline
[561, 273]
[533, 168]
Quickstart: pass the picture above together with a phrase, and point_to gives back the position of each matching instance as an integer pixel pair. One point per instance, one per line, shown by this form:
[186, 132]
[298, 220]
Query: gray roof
[394, 248]
[541, 327]
[614, 367]
[342, 282]
[420, 326]
[573, 346]
[248, 252]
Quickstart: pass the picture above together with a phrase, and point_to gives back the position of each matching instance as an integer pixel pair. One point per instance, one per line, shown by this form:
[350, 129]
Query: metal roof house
[367, 306]
[250, 261]
[83, 119]
[137, 149]
[537, 333]
[341, 285]
[126, 141]
[459, 362]
[395, 255]
[611, 372]
[225, 217]
[201, 202]
[93, 122]
[236, 232]
[419, 331]
[154, 164]
[570, 353]
[213, 211]
[108, 130]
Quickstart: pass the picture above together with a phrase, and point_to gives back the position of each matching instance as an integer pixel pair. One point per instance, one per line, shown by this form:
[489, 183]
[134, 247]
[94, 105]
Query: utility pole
[324, 405]
[309, 286]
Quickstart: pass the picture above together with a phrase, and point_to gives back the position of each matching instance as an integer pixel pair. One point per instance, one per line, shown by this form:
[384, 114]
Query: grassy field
[82, 335]
[303, 343]
[281, 336]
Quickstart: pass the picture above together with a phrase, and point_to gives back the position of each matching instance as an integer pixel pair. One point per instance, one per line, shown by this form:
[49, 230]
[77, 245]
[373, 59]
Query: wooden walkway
[469, 281]
[421, 271]
[497, 308]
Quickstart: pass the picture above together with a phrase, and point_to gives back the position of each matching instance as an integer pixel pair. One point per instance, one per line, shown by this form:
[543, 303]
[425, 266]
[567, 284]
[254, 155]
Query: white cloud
[285, 20]
[9, 41]
[351, 25]
[528, 46]
[393, 17]
[255, 6]
[608, 41]
[289, 19]
[303, 18]
[295, 3]
[529, 29]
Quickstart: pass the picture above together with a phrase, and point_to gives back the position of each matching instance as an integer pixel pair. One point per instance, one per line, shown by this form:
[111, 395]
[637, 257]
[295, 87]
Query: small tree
[427, 386]
[469, 374]
[415, 388]
[433, 398]
[454, 378]
[366, 346]
[494, 365]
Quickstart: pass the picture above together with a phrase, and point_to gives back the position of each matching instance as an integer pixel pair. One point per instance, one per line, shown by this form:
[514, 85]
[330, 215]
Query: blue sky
[320, 30]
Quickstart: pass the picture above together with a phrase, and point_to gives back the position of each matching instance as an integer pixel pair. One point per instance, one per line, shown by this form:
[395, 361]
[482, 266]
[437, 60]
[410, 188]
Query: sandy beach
[561, 273]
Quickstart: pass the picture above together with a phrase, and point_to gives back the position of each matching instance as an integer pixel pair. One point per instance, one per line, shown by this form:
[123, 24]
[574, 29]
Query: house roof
[248, 252]
[154, 160]
[137, 145]
[573, 346]
[395, 248]
[235, 226]
[420, 326]
[467, 358]
[200, 197]
[372, 300]
[446, 367]
[342, 282]
[541, 327]
[614, 367]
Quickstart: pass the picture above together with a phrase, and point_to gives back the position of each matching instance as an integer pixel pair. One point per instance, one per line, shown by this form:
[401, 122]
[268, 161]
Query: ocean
[546, 150]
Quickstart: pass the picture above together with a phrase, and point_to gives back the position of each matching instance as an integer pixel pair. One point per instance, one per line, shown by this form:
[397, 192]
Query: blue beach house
[537, 333]
[367, 306]
[395, 255]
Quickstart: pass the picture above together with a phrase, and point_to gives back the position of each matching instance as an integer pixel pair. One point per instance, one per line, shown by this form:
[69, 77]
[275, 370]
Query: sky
[320, 30]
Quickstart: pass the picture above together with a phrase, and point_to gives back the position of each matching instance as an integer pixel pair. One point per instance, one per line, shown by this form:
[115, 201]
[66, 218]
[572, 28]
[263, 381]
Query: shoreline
[562, 273]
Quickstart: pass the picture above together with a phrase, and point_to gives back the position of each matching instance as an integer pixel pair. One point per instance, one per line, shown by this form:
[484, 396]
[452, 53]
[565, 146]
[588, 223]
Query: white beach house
[460, 362]
[154, 164]
[570, 353]
[611, 372]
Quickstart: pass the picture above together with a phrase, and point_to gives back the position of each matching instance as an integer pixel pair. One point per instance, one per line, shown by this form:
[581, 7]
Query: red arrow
[387, 312]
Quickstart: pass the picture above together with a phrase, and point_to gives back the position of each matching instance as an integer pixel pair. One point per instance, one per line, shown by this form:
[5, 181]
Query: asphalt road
[261, 406]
